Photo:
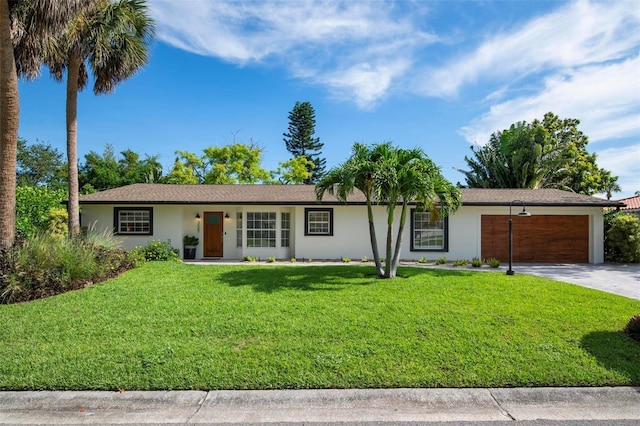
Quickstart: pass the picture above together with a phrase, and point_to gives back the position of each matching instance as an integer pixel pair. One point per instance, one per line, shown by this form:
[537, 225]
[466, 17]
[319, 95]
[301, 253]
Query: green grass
[177, 326]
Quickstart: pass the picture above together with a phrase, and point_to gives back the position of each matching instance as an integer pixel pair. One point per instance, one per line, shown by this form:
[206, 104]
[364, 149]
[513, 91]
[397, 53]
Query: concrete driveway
[621, 279]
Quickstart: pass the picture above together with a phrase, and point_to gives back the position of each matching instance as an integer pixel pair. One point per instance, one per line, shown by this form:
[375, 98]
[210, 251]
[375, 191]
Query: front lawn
[176, 326]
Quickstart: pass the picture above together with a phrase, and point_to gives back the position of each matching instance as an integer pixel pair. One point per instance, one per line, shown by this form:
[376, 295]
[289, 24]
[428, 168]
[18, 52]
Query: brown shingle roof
[534, 197]
[142, 193]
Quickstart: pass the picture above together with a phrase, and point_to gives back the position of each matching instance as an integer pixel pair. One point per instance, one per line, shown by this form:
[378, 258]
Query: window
[133, 220]
[239, 229]
[261, 229]
[426, 235]
[285, 229]
[318, 222]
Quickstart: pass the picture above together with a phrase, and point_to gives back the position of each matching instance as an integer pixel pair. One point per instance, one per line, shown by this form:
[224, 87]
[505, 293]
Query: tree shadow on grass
[616, 352]
[270, 279]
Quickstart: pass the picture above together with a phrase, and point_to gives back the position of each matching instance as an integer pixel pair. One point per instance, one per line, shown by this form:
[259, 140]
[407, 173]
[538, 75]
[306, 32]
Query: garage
[537, 238]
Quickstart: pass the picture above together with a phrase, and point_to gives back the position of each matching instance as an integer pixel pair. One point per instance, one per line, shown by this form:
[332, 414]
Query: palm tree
[610, 186]
[24, 25]
[110, 39]
[418, 180]
[356, 173]
[10, 108]
[408, 176]
[391, 176]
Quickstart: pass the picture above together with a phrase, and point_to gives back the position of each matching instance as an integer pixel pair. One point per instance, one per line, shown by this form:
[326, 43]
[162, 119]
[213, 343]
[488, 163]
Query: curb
[361, 406]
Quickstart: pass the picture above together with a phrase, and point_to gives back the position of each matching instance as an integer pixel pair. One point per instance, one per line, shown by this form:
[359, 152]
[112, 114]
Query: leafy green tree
[393, 177]
[33, 208]
[300, 140]
[111, 39]
[24, 25]
[544, 154]
[106, 171]
[236, 163]
[578, 171]
[186, 169]
[136, 170]
[39, 164]
[519, 157]
[294, 171]
[100, 172]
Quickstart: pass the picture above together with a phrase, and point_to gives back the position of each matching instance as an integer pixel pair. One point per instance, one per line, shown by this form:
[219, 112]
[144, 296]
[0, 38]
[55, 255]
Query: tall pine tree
[300, 141]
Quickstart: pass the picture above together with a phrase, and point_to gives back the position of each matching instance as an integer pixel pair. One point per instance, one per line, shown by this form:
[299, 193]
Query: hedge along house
[285, 221]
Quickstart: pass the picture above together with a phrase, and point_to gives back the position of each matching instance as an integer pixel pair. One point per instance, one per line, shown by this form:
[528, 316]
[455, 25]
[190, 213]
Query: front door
[213, 233]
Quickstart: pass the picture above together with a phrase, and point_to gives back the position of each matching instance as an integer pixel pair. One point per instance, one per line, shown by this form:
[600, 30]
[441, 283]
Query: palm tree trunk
[9, 120]
[72, 145]
[387, 266]
[396, 253]
[374, 240]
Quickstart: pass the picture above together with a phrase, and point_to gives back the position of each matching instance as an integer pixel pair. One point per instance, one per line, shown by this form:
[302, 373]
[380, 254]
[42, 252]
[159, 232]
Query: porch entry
[213, 234]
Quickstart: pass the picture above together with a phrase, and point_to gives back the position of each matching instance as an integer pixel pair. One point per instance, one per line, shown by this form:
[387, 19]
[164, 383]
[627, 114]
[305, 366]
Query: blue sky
[441, 75]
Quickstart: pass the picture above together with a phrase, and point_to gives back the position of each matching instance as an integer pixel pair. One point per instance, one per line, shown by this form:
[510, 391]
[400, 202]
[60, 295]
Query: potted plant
[190, 243]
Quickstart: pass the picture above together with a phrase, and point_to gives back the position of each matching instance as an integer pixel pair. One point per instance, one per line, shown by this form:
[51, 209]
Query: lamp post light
[524, 212]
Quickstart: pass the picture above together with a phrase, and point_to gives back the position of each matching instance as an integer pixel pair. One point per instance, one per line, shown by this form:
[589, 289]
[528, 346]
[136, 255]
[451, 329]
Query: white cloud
[624, 163]
[606, 99]
[364, 82]
[576, 35]
[355, 48]
[363, 51]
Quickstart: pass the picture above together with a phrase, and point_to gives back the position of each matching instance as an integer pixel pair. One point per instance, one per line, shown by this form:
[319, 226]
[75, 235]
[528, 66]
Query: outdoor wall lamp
[198, 216]
[524, 212]
[198, 221]
[226, 215]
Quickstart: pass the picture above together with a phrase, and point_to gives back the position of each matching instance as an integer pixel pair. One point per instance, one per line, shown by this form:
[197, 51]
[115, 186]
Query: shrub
[272, 259]
[250, 259]
[476, 263]
[293, 260]
[365, 259]
[157, 250]
[441, 261]
[346, 259]
[493, 262]
[45, 265]
[57, 221]
[461, 262]
[622, 238]
[102, 238]
[423, 260]
[633, 327]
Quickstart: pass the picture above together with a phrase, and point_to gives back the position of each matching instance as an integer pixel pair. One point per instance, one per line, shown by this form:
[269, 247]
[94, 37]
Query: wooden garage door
[537, 239]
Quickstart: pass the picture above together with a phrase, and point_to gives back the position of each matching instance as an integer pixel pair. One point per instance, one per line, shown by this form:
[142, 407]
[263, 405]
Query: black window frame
[306, 222]
[445, 241]
[116, 220]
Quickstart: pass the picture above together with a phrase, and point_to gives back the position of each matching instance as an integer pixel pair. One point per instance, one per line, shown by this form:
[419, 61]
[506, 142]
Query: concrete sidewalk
[352, 406]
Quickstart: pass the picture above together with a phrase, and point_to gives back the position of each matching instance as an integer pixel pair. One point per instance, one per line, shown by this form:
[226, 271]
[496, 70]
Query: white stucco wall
[173, 222]
[350, 230]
